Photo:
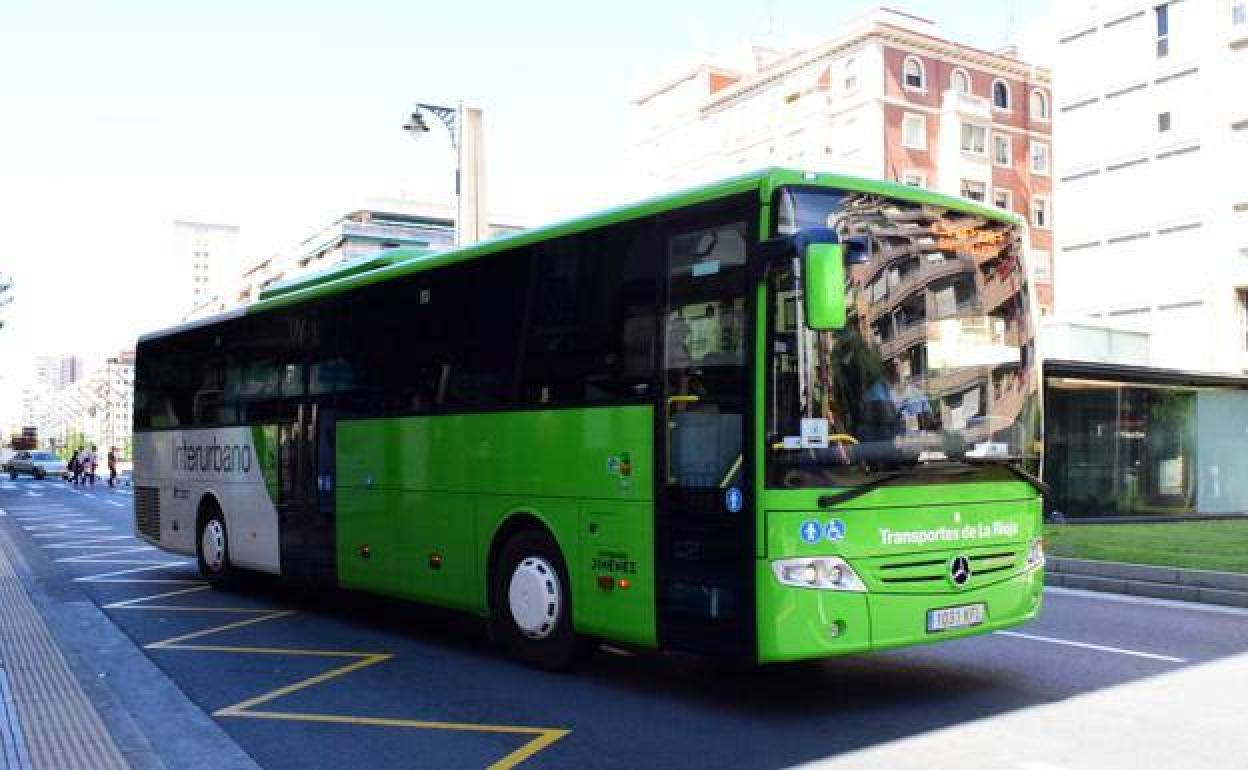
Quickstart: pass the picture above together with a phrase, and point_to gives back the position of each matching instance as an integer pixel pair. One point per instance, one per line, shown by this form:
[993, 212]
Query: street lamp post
[452, 118]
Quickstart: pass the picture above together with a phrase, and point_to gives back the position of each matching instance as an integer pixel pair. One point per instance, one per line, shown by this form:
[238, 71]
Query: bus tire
[530, 602]
[212, 546]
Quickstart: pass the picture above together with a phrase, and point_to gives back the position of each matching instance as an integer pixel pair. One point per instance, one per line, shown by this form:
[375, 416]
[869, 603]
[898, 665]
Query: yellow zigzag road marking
[542, 736]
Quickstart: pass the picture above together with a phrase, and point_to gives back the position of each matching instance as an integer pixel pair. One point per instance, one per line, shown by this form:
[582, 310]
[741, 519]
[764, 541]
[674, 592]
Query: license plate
[955, 617]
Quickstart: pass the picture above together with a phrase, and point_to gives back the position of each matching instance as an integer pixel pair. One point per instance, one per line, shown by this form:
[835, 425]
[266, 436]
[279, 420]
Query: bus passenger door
[306, 495]
[703, 537]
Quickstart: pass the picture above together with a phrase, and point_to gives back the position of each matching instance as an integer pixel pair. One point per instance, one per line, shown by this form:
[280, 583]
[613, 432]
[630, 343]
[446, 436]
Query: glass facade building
[1134, 441]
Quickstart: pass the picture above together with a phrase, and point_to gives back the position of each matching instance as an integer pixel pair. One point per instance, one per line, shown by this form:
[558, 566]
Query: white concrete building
[207, 258]
[57, 371]
[98, 405]
[382, 223]
[1151, 149]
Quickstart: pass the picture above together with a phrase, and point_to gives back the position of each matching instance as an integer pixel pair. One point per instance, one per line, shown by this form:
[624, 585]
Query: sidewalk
[47, 720]
[80, 692]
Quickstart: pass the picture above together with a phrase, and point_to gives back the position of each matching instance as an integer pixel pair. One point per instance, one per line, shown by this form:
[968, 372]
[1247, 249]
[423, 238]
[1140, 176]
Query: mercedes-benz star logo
[960, 570]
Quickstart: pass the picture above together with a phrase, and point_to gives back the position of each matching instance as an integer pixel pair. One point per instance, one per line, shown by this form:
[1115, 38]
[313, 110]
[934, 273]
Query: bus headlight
[830, 573]
[1035, 554]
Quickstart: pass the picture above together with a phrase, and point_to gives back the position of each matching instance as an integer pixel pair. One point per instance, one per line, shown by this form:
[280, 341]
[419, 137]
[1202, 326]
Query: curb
[1187, 585]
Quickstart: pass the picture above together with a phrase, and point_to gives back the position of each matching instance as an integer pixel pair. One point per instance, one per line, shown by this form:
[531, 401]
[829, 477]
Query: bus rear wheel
[530, 602]
[213, 547]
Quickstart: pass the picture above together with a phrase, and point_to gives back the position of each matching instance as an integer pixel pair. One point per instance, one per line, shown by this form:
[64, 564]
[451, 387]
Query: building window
[973, 138]
[1003, 199]
[1042, 262]
[850, 80]
[974, 190]
[914, 132]
[1162, 14]
[1039, 106]
[1040, 217]
[1001, 154]
[960, 82]
[1239, 13]
[1039, 158]
[1000, 95]
[1163, 122]
[913, 75]
[914, 178]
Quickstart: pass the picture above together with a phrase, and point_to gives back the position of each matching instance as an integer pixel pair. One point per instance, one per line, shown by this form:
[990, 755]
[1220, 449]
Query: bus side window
[591, 322]
[480, 308]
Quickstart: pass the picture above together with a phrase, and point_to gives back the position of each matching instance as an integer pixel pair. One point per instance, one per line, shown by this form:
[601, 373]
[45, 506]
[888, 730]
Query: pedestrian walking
[93, 459]
[80, 475]
[72, 478]
[112, 467]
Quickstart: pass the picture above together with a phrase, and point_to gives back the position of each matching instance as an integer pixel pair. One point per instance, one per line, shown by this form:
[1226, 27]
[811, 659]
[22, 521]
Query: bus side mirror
[823, 265]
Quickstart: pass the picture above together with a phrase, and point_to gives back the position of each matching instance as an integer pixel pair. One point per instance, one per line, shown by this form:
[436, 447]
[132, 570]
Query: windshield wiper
[858, 490]
[1009, 463]
[828, 501]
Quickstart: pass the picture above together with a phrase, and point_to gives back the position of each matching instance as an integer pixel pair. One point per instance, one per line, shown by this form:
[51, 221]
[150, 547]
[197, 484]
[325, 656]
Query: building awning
[1139, 375]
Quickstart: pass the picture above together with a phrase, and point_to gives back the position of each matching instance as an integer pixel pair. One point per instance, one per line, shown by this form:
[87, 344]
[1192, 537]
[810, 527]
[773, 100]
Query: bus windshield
[935, 368]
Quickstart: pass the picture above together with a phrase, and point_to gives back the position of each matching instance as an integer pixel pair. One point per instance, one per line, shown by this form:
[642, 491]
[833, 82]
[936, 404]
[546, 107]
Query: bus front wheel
[530, 603]
[214, 547]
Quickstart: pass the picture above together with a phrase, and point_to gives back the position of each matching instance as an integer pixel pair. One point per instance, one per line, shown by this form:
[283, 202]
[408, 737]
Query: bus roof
[342, 270]
[394, 263]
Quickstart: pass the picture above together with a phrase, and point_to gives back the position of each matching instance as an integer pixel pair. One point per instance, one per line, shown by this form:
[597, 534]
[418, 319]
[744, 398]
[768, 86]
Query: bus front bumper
[801, 623]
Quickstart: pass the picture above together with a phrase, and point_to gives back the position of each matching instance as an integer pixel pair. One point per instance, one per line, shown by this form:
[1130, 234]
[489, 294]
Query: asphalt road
[312, 681]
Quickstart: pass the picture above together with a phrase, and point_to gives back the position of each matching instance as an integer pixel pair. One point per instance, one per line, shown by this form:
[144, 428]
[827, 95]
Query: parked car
[37, 464]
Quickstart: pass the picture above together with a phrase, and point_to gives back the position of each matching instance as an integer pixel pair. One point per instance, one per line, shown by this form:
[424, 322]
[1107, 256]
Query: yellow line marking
[272, 614]
[303, 684]
[542, 737]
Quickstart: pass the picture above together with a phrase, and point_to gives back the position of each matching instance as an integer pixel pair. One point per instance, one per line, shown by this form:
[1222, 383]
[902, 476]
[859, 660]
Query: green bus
[784, 416]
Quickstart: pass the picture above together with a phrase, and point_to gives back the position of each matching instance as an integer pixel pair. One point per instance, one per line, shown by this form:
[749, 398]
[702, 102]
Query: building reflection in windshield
[943, 297]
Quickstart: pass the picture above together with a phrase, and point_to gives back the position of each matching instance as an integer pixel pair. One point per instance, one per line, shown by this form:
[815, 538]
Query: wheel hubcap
[212, 545]
[535, 597]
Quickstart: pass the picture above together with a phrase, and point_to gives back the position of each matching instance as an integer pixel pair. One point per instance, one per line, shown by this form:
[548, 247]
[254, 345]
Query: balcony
[968, 105]
[996, 291]
[928, 272]
[952, 382]
[906, 337]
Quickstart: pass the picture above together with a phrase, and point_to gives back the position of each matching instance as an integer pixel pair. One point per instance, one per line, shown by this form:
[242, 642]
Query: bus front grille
[929, 572]
[147, 511]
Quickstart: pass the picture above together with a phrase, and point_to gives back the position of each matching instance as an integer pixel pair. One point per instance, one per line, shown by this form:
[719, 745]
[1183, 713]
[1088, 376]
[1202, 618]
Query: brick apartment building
[888, 98]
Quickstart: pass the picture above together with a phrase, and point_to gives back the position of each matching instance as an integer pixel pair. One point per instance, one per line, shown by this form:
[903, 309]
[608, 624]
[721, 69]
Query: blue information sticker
[810, 531]
[733, 499]
[835, 530]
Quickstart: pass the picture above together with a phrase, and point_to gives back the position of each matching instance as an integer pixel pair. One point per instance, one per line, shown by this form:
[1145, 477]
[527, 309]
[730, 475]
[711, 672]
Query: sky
[117, 118]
